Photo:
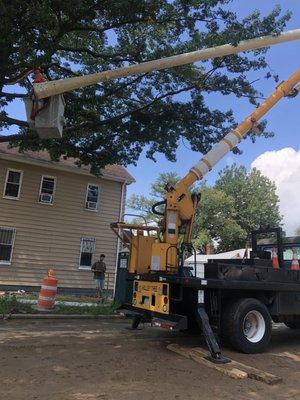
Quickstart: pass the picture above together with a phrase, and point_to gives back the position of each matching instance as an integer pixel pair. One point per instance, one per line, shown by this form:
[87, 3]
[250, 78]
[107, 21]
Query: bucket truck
[239, 298]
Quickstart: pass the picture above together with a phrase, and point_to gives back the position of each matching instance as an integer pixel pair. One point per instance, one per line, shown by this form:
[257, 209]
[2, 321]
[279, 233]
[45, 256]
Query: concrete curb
[66, 303]
[61, 316]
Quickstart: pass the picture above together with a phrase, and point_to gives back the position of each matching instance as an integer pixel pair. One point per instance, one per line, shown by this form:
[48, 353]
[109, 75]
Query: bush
[8, 304]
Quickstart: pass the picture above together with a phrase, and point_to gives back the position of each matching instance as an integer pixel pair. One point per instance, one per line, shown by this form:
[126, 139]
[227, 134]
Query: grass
[9, 304]
[61, 297]
[97, 309]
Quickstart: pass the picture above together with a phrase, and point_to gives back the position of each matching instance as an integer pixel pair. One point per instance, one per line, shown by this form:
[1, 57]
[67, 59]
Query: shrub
[8, 304]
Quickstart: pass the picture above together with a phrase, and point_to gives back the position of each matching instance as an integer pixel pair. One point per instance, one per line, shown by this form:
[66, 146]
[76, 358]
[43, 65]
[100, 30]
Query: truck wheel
[247, 325]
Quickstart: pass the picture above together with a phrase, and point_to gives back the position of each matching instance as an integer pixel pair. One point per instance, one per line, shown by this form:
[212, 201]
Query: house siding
[49, 236]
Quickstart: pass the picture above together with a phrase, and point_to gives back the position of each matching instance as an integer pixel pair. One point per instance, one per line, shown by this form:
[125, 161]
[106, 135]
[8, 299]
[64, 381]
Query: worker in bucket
[99, 269]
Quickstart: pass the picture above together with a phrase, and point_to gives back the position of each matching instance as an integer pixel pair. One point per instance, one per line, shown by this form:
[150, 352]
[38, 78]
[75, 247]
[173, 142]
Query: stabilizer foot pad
[218, 360]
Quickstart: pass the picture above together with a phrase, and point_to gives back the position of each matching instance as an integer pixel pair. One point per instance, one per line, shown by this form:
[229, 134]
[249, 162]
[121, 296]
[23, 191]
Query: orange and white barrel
[275, 262]
[46, 300]
[295, 262]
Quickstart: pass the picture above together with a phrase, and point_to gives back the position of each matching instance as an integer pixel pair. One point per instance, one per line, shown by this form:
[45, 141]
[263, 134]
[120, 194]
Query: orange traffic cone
[275, 263]
[295, 263]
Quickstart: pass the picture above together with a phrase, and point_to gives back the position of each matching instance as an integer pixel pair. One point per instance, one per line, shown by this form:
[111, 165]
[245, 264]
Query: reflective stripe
[207, 163]
[203, 168]
[234, 137]
[237, 134]
[52, 288]
[196, 172]
[228, 142]
[45, 298]
[217, 153]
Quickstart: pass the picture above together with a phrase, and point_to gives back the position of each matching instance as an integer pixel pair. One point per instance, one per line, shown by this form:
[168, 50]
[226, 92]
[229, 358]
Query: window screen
[7, 237]
[13, 184]
[47, 190]
[87, 250]
[92, 197]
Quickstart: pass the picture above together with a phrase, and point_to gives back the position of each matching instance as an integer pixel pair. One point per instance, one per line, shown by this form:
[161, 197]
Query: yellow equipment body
[163, 257]
[140, 254]
[151, 296]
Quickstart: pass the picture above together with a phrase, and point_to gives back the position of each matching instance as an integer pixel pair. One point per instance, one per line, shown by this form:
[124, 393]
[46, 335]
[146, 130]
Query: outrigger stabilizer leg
[215, 352]
[136, 321]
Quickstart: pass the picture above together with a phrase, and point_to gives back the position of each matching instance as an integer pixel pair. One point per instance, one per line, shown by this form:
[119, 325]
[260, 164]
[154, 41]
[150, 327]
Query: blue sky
[283, 119]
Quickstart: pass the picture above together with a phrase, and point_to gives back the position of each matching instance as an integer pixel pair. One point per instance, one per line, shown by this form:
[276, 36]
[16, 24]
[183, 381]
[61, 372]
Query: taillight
[134, 295]
[166, 300]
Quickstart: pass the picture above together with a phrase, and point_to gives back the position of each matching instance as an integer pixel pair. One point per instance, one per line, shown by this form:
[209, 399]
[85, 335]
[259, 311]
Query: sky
[271, 156]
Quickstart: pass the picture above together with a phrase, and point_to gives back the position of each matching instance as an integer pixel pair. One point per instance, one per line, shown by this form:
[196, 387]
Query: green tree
[256, 201]
[240, 202]
[113, 121]
[216, 221]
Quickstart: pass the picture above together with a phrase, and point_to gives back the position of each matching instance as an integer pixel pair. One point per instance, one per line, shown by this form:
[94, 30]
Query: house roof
[110, 172]
[203, 258]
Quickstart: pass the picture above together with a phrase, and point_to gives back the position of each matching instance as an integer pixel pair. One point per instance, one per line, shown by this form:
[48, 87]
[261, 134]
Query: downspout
[118, 240]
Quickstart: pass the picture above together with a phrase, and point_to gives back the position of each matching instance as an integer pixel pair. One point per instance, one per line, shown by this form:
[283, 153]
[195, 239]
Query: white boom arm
[289, 87]
[52, 88]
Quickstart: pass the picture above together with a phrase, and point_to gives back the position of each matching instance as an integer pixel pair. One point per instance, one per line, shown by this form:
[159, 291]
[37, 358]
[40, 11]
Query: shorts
[99, 283]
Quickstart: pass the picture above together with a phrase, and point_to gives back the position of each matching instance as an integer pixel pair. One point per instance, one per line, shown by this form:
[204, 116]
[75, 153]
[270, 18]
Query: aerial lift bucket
[46, 116]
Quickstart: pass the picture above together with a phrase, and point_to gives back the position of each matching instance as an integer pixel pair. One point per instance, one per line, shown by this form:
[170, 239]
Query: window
[13, 184]
[87, 249]
[47, 189]
[92, 197]
[7, 238]
[289, 251]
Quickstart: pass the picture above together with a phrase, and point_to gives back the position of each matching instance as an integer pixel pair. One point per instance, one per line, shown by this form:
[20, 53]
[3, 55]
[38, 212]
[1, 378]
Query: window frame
[86, 196]
[12, 245]
[85, 267]
[40, 190]
[20, 183]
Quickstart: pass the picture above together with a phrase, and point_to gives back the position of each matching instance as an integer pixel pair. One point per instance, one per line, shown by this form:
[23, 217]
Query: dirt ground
[100, 359]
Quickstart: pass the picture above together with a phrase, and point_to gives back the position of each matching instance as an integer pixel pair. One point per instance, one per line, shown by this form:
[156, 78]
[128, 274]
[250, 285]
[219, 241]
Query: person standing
[99, 269]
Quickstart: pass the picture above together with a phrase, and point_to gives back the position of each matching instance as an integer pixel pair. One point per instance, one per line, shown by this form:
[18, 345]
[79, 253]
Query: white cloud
[283, 167]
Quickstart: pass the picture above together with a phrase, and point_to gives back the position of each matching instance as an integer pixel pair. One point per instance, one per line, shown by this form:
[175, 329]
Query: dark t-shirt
[99, 269]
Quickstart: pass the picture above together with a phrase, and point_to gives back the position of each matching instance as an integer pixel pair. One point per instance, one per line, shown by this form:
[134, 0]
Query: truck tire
[247, 326]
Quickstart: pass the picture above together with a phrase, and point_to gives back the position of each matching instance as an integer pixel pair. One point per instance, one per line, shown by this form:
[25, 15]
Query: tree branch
[60, 67]
[93, 53]
[124, 86]
[148, 20]
[11, 96]
[12, 138]
[95, 124]
[13, 121]
[18, 78]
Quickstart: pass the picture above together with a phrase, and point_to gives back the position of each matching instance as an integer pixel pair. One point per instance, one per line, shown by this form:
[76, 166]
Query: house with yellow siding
[57, 215]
